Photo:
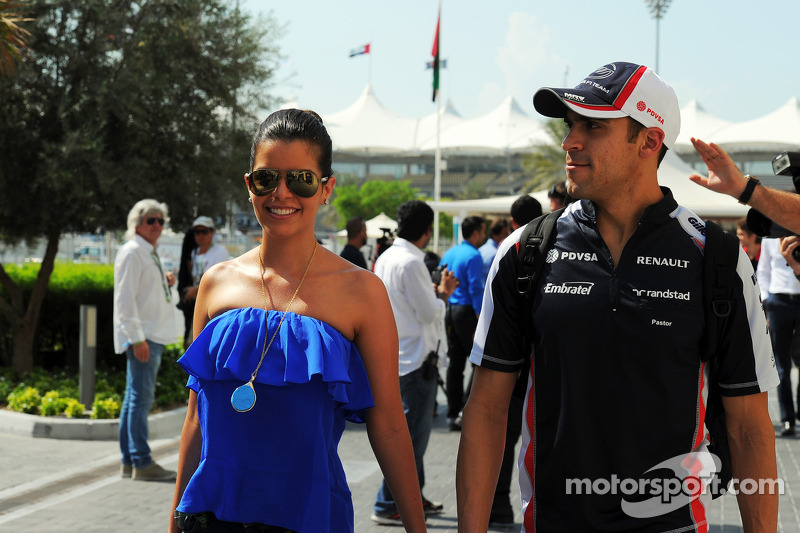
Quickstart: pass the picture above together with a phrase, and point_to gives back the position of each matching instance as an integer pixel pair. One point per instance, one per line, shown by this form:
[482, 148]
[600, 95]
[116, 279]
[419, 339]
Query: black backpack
[719, 279]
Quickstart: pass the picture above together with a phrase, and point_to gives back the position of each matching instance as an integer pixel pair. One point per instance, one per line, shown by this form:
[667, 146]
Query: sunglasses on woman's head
[152, 220]
[303, 183]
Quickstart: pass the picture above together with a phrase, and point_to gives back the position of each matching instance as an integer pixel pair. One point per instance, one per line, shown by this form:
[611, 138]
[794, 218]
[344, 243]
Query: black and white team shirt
[614, 412]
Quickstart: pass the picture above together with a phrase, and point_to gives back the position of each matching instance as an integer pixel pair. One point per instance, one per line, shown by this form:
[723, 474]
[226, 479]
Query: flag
[442, 64]
[435, 54]
[360, 50]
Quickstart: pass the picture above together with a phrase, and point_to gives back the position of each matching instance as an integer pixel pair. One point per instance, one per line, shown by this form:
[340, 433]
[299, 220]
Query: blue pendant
[244, 397]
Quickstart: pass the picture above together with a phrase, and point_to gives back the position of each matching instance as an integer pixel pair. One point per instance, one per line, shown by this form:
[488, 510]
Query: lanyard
[157, 261]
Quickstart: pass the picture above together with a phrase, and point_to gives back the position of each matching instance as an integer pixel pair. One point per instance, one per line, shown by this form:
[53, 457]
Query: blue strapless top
[276, 464]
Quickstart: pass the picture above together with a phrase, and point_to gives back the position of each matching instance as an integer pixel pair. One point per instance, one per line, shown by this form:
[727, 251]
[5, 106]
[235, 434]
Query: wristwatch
[752, 181]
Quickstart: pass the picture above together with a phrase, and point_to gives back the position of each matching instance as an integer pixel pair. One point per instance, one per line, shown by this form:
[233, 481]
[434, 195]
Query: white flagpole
[437, 169]
[437, 165]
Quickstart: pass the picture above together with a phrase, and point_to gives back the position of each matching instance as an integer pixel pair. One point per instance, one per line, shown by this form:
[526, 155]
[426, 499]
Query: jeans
[140, 392]
[783, 313]
[419, 396]
[461, 322]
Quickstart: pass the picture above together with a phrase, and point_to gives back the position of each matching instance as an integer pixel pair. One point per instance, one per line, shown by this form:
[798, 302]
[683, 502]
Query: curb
[160, 426]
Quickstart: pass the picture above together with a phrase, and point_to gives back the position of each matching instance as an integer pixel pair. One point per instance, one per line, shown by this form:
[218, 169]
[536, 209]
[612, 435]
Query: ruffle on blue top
[303, 348]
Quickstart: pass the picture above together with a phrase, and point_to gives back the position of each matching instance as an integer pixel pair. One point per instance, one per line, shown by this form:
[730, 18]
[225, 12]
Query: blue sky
[738, 59]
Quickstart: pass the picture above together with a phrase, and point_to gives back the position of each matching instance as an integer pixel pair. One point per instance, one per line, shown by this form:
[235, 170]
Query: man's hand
[787, 246]
[141, 351]
[170, 278]
[723, 174]
[447, 285]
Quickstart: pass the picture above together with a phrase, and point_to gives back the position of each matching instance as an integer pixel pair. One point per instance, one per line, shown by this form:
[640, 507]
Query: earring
[326, 201]
[249, 199]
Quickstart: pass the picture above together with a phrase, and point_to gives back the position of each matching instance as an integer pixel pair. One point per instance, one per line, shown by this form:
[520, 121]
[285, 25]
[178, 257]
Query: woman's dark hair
[185, 279]
[289, 125]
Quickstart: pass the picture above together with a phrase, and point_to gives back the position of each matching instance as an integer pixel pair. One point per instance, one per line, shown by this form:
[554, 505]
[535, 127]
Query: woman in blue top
[294, 340]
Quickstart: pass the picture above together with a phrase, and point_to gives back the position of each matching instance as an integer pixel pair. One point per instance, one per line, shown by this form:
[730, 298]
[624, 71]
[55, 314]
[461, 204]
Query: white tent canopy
[367, 127]
[672, 173]
[775, 132]
[426, 127]
[374, 226]
[504, 129]
[696, 122]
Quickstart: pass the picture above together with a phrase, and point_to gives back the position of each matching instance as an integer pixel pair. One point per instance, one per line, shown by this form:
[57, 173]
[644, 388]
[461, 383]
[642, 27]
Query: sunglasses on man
[152, 220]
[303, 183]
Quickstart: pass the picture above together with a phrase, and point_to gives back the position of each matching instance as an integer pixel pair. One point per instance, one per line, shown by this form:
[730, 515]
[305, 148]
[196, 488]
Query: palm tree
[13, 43]
[546, 163]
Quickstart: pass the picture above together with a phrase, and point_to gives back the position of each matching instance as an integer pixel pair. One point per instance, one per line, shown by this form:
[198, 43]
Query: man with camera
[724, 177]
[419, 309]
[780, 293]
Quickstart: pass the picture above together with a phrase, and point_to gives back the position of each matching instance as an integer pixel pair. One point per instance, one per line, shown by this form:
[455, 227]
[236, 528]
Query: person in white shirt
[206, 254]
[419, 308]
[780, 292]
[143, 325]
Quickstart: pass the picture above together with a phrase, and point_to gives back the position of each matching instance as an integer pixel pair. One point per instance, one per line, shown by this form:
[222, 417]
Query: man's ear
[653, 141]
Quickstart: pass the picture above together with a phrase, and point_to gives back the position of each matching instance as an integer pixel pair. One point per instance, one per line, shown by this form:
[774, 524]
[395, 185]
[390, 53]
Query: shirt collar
[653, 213]
[408, 246]
[144, 243]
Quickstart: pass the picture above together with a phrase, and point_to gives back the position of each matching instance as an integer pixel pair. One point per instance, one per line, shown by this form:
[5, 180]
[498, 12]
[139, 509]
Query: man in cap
[616, 390]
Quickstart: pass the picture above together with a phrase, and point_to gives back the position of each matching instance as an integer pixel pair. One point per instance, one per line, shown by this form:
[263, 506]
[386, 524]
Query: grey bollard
[88, 347]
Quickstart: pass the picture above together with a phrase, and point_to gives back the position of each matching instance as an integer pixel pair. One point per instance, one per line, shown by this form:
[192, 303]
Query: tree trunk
[25, 321]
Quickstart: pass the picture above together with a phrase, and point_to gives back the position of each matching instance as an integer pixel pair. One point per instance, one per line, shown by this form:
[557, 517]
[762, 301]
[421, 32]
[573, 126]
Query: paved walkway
[70, 486]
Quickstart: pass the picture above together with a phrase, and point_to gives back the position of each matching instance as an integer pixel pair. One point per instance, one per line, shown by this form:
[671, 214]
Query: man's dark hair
[470, 225]
[558, 190]
[525, 208]
[634, 128]
[414, 218]
[498, 225]
[354, 226]
[742, 225]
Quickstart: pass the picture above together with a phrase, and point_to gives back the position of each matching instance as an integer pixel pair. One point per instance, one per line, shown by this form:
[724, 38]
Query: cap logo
[575, 97]
[641, 106]
[655, 116]
[602, 73]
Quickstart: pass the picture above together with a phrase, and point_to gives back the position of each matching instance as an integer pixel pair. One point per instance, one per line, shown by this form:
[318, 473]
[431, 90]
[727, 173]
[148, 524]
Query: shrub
[105, 408]
[52, 404]
[74, 408]
[24, 400]
[171, 380]
[71, 285]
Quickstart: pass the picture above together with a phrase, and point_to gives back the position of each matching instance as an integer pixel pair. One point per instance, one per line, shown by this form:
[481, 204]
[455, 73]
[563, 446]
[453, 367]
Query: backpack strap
[719, 275]
[719, 280]
[536, 238]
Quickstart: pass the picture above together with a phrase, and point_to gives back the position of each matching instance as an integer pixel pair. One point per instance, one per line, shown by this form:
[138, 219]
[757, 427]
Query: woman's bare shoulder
[232, 284]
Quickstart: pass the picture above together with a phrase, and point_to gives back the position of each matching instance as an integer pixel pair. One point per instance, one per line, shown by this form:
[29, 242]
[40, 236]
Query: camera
[436, 274]
[784, 164]
[384, 241]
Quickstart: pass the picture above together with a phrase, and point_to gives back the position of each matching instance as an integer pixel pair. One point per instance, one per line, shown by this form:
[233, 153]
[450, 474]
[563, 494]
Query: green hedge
[50, 393]
[57, 337]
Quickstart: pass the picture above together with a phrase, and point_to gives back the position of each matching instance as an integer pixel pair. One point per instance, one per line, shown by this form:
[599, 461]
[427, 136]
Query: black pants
[208, 523]
[501, 505]
[461, 322]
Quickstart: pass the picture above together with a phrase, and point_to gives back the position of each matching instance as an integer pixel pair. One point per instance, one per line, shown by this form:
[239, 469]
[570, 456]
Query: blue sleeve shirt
[467, 264]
